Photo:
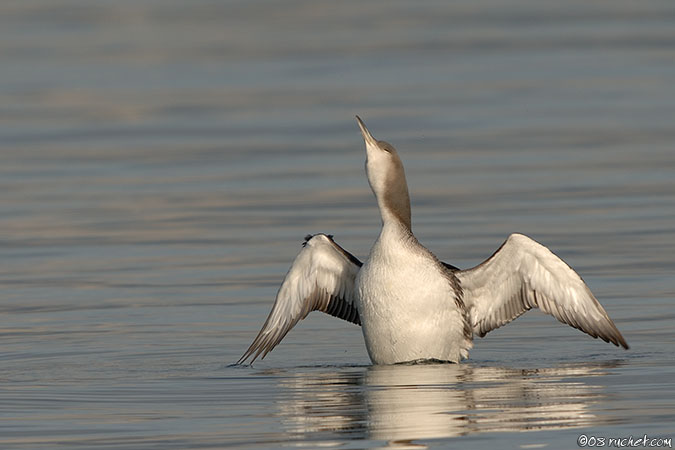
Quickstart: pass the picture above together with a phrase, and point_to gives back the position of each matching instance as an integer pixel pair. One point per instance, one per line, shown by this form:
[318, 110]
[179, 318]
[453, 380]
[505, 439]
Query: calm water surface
[160, 162]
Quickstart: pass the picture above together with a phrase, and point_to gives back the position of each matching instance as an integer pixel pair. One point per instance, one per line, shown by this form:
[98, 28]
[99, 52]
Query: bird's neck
[394, 205]
[387, 180]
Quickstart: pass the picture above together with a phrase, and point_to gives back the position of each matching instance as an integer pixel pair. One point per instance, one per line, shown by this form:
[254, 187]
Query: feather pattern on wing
[523, 274]
[320, 279]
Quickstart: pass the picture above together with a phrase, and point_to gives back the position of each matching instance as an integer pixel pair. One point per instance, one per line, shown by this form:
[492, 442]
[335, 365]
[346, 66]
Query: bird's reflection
[403, 403]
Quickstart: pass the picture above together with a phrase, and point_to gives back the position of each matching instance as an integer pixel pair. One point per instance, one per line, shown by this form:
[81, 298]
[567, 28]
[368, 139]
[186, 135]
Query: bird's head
[386, 177]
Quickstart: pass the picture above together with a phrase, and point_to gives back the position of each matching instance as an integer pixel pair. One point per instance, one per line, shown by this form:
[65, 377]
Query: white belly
[407, 307]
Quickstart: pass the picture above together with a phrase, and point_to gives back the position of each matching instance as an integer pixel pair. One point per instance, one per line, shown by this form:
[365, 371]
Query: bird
[411, 306]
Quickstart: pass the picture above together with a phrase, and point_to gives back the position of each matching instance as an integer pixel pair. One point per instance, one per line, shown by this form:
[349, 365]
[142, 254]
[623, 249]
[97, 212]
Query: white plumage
[412, 306]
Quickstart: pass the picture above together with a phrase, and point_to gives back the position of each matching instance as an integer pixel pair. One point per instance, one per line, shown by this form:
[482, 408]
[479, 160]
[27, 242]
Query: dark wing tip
[617, 340]
[243, 358]
[251, 350]
[621, 341]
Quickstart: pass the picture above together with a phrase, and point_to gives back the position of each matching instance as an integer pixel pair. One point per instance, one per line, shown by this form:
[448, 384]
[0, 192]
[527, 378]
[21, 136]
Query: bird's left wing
[320, 279]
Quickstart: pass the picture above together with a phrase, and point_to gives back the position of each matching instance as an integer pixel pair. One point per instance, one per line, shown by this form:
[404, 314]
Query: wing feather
[523, 274]
[320, 279]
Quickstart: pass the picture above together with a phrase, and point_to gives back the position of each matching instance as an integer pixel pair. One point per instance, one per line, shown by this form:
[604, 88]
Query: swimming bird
[413, 307]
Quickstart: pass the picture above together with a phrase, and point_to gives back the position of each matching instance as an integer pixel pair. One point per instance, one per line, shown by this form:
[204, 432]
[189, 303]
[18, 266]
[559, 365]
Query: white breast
[407, 304]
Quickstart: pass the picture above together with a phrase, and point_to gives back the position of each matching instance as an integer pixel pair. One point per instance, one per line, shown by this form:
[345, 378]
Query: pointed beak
[366, 134]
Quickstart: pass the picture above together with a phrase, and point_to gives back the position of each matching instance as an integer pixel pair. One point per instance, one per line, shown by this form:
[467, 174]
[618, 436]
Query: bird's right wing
[523, 274]
[320, 279]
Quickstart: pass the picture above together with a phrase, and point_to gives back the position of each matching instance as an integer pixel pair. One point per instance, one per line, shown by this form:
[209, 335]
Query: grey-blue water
[160, 162]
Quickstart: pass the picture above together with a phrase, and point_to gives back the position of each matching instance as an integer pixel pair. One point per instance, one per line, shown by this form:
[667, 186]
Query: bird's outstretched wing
[523, 274]
[320, 279]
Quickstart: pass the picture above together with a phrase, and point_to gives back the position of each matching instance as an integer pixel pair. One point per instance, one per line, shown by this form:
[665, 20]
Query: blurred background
[160, 162]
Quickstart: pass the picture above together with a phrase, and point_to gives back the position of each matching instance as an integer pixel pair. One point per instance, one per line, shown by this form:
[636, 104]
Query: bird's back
[410, 308]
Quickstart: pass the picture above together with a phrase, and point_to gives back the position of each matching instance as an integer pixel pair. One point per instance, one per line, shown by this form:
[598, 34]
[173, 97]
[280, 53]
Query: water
[160, 162]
